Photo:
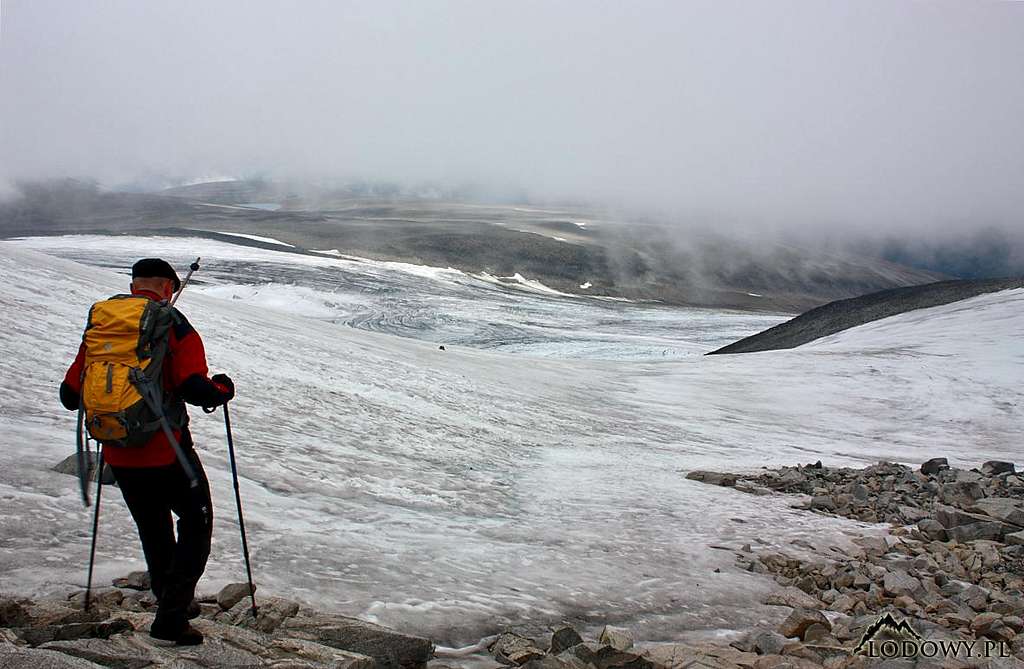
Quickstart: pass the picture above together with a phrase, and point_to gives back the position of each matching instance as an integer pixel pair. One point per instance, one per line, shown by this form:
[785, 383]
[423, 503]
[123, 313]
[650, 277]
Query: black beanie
[155, 268]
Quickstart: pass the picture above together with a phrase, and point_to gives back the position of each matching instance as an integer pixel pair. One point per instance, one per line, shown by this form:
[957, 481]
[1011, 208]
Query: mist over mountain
[570, 248]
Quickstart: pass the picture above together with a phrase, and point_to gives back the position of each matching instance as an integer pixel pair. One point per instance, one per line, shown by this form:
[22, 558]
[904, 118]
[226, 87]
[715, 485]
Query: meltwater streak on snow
[439, 305]
[452, 493]
[257, 238]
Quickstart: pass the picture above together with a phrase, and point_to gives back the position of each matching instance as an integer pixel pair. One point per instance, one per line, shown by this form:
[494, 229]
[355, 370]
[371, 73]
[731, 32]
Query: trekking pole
[238, 503]
[95, 525]
[191, 268]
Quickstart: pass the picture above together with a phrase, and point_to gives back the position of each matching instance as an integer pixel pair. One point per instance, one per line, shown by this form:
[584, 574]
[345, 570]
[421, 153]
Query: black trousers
[175, 564]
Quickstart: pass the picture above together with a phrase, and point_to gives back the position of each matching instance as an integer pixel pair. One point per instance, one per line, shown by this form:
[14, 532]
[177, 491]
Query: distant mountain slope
[571, 249]
[843, 314]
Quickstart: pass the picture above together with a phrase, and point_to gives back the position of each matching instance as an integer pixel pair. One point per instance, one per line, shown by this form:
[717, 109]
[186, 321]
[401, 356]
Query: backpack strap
[145, 386]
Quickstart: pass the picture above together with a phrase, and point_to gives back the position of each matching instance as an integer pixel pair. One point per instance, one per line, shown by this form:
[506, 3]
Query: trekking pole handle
[191, 268]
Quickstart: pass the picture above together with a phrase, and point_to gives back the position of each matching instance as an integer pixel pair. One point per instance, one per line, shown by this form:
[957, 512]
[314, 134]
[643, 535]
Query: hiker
[153, 480]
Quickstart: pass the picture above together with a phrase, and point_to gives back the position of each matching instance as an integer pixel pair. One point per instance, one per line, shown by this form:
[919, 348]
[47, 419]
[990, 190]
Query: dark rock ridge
[844, 314]
[951, 567]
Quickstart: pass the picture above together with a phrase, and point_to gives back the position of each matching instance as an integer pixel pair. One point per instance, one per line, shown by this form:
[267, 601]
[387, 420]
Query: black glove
[225, 380]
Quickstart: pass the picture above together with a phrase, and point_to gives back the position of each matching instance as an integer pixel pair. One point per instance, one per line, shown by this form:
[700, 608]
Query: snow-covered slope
[453, 492]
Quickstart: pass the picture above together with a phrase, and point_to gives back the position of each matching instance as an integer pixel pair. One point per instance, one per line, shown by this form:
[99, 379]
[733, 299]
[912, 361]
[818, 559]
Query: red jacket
[185, 380]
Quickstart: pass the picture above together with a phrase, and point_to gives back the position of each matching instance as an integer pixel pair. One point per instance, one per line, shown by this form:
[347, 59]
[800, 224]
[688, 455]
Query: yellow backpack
[126, 341]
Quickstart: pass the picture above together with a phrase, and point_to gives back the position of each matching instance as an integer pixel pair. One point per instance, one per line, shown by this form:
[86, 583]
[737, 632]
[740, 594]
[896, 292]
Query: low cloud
[837, 117]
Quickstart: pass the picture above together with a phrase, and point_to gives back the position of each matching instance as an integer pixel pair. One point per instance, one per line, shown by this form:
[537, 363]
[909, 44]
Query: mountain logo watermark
[890, 637]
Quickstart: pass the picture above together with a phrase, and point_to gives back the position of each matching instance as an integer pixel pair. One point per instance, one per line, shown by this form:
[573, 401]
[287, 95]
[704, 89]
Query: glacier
[453, 493]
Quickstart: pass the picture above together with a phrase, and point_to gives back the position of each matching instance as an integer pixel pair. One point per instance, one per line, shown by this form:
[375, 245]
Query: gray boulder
[1015, 538]
[321, 655]
[136, 580]
[233, 593]
[388, 648]
[795, 626]
[1001, 508]
[934, 466]
[563, 638]
[120, 653]
[12, 613]
[69, 465]
[713, 478]
[271, 613]
[932, 529]
[996, 467]
[606, 657]
[897, 583]
[792, 597]
[14, 657]
[36, 636]
[616, 637]
[515, 650]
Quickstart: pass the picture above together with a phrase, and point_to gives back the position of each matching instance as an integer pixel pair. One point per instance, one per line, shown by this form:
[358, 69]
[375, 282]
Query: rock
[563, 638]
[913, 514]
[69, 465]
[1016, 623]
[109, 598]
[515, 650]
[932, 529]
[12, 613]
[390, 649]
[996, 467]
[322, 655]
[983, 623]
[1000, 508]
[13, 657]
[616, 637]
[1014, 538]
[119, 653]
[606, 657]
[713, 478]
[233, 593]
[750, 488]
[794, 598]
[137, 580]
[799, 620]
[873, 546]
[762, 642]
[768, 642]
[934, 466]
[895, 584]
[816, 633]
[844, 603]
[271, 613]
[38, 635]
[704, 656]
[822, 503]
[964, 533]
[785, 662]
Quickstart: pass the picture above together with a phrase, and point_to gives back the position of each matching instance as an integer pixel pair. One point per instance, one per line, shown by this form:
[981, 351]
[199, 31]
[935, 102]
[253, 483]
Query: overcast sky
[856, 114]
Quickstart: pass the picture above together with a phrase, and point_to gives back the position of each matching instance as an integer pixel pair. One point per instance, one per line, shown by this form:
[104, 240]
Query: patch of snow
[265, 240]
[586, 285]
[451, 494]
[755, 295]
[265, 206]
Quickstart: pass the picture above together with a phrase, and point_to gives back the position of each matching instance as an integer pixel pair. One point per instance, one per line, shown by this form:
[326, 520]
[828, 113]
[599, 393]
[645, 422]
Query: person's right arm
[189, 372]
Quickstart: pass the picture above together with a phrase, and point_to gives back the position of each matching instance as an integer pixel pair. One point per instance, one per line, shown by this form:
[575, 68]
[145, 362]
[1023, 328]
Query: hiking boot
[181, 636]
[180, 633]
